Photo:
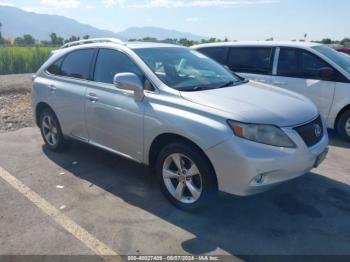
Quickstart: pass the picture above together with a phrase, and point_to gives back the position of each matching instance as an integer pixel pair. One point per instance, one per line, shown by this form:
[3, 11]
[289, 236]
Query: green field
[18, 60]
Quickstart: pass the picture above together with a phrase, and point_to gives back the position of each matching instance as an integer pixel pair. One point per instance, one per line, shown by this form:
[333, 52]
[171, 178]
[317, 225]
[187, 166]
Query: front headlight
[265, 134]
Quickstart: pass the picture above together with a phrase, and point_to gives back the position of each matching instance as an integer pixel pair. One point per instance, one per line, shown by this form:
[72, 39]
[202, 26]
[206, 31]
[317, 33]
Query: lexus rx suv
[316, 71]
[198, 126]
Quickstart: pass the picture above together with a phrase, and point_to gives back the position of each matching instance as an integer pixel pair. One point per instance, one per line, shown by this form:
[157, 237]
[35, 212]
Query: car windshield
[187, 70]
[338, 58]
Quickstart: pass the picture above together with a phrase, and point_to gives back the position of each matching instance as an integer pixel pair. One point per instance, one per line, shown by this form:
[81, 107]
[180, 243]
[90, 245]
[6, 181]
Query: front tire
[185, 176]
[343, 126]
[51, 131]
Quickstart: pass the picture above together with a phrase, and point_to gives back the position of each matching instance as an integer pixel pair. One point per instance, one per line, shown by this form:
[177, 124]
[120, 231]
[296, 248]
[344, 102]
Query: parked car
[316, 71]
[198, 126]
[345, 50]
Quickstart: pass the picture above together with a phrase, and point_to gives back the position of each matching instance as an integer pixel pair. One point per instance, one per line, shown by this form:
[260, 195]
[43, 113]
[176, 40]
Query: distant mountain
[17, 22]
[156, 32]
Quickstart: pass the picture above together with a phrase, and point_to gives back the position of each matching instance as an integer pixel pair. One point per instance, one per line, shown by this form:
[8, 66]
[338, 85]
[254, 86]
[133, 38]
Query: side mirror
[327, 74]
[129, 81]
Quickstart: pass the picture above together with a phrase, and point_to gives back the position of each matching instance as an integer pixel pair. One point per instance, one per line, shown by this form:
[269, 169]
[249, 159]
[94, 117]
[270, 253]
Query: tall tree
[56, 40]
[28, 40]
[19, 41]
[73, 38]
[53, 38]
[345, 41]
[326, 41]
[0, 30]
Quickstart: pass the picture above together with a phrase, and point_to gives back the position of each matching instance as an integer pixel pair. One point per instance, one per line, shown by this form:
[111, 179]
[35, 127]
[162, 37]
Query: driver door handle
[92, 97]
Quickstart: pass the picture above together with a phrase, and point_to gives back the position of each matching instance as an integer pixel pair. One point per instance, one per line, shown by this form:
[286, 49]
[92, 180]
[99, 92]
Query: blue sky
[235, 19]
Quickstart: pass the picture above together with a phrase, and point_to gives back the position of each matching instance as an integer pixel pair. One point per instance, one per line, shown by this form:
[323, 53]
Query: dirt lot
[15, 109]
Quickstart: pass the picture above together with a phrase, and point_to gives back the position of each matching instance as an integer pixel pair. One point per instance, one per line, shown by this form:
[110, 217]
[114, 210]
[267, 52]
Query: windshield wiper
[196, 88]
[199, 88]
[226, 84]
[233, 83]
[202, 88]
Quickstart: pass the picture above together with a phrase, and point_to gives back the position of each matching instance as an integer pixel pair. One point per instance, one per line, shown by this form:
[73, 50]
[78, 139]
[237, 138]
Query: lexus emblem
[318, 130]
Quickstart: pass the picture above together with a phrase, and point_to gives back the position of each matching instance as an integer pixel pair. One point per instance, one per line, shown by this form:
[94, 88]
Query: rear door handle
[92, 97]
[277, 83]
[52, 88]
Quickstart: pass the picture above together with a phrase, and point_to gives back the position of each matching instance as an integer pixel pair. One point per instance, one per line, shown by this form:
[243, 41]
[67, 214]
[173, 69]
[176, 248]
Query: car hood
[258, 103]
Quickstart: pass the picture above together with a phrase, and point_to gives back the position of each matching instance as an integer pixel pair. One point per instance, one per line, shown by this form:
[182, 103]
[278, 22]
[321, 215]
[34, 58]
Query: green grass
[19, 60]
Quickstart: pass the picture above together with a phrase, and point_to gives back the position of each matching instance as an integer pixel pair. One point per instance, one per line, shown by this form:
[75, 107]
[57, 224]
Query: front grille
[310, 133]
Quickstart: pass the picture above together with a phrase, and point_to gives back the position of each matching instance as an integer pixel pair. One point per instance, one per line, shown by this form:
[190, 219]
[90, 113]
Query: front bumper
[244, 167]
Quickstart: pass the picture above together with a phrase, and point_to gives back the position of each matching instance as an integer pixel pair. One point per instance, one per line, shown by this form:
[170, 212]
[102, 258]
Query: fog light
[259, 179]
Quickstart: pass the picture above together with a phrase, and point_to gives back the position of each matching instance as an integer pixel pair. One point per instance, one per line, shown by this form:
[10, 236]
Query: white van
[314, 70]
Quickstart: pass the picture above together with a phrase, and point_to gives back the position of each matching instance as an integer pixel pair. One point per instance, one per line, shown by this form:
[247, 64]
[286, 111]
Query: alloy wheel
[49, 130]
[182, 178]
[347, 127]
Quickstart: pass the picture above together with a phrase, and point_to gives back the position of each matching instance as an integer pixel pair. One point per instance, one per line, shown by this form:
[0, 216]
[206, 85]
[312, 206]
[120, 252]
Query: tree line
[328, 41]
[56, 40]
[28, 40]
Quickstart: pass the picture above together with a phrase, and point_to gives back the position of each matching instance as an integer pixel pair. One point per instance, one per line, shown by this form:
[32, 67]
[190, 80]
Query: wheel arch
[166, 138]
[344, 109]
[38, 109]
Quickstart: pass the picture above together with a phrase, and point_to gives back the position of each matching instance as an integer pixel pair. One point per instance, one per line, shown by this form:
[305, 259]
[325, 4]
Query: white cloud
[32, 9]
[61, 3]
[183, 3]
[119, 3]
[6, 4]
[193, 19]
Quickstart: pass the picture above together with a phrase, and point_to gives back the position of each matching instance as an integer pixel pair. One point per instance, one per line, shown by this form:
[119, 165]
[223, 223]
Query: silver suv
[198, 126]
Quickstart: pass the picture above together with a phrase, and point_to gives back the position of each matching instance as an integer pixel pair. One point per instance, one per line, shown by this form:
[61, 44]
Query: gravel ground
[15, 108]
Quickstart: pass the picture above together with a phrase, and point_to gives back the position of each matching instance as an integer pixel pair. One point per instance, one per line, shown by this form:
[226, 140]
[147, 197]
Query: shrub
[19, 60]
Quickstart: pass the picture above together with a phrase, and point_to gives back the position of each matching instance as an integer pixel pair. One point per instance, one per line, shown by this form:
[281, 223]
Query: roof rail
[93, 40]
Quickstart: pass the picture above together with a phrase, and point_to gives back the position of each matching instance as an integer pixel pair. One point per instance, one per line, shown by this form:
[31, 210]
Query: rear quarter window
[55, 68]
[299, 63]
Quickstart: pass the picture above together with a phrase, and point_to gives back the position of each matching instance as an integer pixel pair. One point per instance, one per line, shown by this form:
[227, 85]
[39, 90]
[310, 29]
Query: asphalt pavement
[117, 202]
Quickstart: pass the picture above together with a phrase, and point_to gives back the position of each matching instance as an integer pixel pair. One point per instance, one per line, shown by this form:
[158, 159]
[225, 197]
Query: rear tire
[51, 131]
[343, 126]
[186, 177]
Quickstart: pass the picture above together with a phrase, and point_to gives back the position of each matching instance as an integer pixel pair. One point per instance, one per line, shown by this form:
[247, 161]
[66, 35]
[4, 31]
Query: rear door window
[255, 60]
[77, 64]
[219, 54]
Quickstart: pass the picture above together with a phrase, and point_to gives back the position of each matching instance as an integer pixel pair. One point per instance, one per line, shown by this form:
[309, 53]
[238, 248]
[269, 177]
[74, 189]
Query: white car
[314, 70]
